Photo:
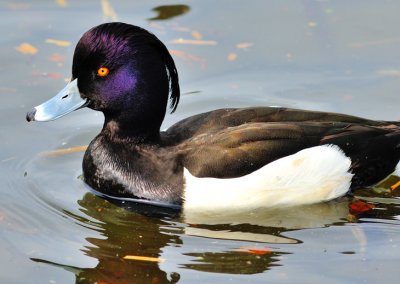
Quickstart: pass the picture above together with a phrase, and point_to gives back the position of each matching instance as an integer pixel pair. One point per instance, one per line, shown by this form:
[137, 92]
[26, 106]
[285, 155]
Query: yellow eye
[103, 71]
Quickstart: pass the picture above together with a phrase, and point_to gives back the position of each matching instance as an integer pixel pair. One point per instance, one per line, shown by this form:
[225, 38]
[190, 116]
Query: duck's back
[229, 143]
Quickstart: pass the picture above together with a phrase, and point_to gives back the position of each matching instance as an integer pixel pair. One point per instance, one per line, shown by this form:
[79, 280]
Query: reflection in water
[267, 225]
[246, 242]
[234, 262]
[169, 11]
[126, 233]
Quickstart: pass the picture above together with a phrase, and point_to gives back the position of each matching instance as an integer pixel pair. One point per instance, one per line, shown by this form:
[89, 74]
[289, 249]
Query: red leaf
[257, 251]
[358, 207]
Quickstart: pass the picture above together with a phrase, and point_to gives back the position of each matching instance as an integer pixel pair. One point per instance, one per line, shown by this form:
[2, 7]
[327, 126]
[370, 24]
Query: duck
[225, 159]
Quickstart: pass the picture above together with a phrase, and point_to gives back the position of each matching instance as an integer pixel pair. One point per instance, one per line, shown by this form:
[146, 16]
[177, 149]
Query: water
[324, 55]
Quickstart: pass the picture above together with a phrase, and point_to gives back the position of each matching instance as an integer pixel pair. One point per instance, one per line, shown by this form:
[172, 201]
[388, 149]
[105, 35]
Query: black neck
[132, 132]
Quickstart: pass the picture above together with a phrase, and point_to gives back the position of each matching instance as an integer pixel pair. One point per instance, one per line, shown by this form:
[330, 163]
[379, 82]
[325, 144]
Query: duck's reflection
[166, 12]
[266, 225]
[123, 233]
[126, 233]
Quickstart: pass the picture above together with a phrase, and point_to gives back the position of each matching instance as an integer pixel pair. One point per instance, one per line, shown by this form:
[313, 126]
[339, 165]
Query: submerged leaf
[395, 186]
[169, 11]
[196, 35]
[61, 3]
[26, 48]
[358, 207]
[143, 258]
[257, 251]
[194, 41]
[232, 56]
[65, 151]
[56, 57]
[62, 43]
[188, 56]
[108, 11]
[244, 45]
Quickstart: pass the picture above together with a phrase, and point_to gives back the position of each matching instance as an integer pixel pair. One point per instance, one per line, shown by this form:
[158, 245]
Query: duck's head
[124, 71]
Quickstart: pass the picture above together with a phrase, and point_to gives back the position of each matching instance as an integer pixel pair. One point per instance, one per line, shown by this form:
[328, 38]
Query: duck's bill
[64, 102]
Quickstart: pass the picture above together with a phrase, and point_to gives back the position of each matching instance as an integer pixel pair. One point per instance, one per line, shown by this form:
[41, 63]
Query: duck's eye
[103, 71]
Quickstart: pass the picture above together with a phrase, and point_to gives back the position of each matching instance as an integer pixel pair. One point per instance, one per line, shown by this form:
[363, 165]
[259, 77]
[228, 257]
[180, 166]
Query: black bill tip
[30, 116]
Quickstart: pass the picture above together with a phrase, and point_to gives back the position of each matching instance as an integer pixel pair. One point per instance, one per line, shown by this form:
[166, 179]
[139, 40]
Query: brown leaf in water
[244, 45]
[26, 48]
[61, 152]
[189, 57]
[257, 251]
[358, 207]
[51, 75]
[143, 258]
[389, 72]
[232, 56]
[62, 43]
[54, 75]
[312, 24]
[194, 41]
[61, 3]
[166, 12]
[395, 186]
[56, 57]
[196, 35]
[108, 11]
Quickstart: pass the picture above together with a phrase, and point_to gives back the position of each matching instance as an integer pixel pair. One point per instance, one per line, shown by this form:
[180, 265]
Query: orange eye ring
[103, 71]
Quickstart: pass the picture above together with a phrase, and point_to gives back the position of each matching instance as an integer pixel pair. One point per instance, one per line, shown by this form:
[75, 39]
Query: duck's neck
[131, 132]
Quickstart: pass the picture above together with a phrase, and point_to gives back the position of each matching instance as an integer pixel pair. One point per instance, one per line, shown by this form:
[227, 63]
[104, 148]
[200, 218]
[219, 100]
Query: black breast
[124, 170]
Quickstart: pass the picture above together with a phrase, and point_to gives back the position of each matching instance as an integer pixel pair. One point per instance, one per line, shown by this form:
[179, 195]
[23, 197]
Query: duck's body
[237, 149]
[232, 143]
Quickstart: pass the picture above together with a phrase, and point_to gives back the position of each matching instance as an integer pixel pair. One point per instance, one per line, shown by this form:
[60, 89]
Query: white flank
[397, 170]
[312, 175]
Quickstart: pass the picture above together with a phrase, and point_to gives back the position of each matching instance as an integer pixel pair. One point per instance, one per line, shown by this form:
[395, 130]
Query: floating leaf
[143, 258]
[61, 3]
[395, 186]
[54, 75]
[169, 11]
[232, 56]
[244, 45]
[58, 42]
[358, 207]
[108, 11]
[187, 56]
[388, 185]
[194, 41]
[389, 72]
[56, 57]
[312, 24]
[196, 35]
[65, 151]
[257, 251]
[26, 48]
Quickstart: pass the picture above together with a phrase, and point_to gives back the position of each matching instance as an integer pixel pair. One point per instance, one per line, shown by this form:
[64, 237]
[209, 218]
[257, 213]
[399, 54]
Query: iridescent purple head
[141, 74]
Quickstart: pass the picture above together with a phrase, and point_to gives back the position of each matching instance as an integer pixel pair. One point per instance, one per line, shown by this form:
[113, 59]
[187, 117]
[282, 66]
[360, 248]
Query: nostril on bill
[30, 116]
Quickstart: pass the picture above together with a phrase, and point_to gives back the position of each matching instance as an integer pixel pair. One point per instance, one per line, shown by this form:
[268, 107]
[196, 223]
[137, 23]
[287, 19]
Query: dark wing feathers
[241, 149]
[222, 118]
[243, 140]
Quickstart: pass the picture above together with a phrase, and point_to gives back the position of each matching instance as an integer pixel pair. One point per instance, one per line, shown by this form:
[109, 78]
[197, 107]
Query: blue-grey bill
[66, 101]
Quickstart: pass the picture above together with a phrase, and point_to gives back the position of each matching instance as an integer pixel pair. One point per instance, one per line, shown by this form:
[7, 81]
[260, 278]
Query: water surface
[325, 55]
